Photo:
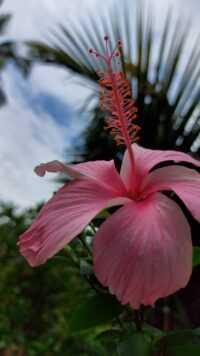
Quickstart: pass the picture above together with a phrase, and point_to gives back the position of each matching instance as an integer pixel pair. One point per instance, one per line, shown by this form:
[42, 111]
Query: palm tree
[166, 92]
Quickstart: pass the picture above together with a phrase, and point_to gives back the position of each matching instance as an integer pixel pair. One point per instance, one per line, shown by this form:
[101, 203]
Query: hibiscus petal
[63, 217]
[146, 159]
[144, 251]
[56, 166]
[183, 181]
[102, 171]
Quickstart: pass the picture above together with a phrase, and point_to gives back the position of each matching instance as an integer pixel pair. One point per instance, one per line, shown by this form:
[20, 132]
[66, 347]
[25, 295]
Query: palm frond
[4, 19]
[156, 72]
[8, 52]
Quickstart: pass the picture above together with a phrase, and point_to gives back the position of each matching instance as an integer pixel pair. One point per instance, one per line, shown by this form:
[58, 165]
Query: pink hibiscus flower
[143, 251]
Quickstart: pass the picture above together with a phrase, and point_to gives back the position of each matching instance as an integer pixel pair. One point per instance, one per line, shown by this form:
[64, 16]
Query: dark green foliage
[179, 343]
[59, 308]
[37, 304]
[136, 343]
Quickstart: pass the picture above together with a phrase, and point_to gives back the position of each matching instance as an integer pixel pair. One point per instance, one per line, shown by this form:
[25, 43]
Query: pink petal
[185, 182]
[102, 171]
[146, 159]
[56, 166]
[144, 251]
[64, 217]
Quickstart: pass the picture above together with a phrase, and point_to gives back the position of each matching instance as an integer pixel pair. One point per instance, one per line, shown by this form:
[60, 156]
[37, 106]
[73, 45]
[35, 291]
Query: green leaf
[137, 344]
[181, 336]
[184, 350]
[110, 339]
[103, 214]
[196, 256]
[98, 310]
[179, 343]
[153, 332]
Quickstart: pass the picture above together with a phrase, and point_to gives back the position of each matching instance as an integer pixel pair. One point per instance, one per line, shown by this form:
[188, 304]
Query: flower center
[136, 196]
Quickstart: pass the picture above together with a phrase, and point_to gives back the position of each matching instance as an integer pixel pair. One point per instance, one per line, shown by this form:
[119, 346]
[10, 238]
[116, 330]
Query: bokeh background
[49, 110]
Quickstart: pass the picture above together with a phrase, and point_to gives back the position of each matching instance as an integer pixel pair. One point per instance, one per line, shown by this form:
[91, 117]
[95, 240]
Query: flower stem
[138, 321]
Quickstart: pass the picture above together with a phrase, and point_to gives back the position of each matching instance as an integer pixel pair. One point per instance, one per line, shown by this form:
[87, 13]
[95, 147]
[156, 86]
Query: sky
[40, 121]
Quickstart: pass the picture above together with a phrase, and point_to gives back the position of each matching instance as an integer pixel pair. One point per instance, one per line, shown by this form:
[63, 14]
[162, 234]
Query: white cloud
[27, 138]
[31, 18]
[25, 141]
[59, 82]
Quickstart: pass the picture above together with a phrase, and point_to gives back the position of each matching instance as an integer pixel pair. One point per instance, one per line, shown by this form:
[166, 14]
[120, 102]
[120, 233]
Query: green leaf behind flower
[96, 311]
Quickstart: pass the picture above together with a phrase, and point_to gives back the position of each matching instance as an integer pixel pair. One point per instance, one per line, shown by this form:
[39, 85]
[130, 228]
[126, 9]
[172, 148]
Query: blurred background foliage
[60, 308]
[37, 304]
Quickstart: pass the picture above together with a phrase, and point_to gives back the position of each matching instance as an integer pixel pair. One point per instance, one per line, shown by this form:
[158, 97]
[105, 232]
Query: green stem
[138, 321]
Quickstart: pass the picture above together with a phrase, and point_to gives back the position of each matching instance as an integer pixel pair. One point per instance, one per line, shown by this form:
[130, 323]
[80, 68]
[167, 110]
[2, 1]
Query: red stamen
[115, 98]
